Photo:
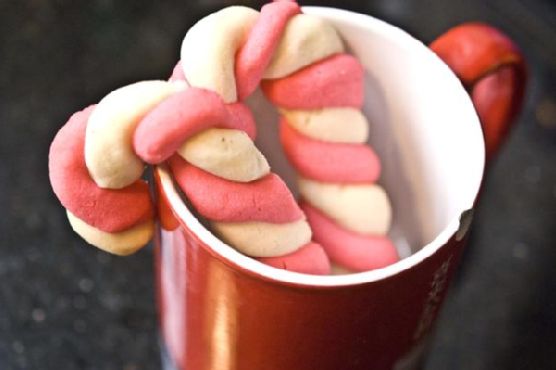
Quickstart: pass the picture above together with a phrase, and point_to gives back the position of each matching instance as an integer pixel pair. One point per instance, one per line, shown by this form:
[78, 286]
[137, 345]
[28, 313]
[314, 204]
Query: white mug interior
[424, 129]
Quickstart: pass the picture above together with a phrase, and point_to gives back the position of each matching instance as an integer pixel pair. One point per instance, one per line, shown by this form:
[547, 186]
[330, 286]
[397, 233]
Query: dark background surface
[64, 305]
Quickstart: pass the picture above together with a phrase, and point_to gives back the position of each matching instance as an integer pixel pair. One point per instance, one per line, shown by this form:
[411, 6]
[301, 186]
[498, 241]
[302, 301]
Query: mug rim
[232, 257]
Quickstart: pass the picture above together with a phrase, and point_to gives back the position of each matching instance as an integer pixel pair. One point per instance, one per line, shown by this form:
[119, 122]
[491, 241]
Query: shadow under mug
[221, 310]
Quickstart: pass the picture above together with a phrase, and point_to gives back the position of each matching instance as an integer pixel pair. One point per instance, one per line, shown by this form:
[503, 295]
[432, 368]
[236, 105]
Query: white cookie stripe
[335, 125]
[226, 153]
[363, 208]
[263, 239]
[209, 48]
[109, 154]
[122, 243]
[306, 39]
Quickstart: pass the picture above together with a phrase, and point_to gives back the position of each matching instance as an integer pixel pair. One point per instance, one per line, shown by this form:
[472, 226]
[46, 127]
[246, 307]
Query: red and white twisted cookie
[324, 135]
[226, 178]
[96, 174]
[319, 91]
[260, 218]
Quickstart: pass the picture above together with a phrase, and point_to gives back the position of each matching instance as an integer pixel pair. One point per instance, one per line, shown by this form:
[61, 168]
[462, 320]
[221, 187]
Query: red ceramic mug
[221, 310]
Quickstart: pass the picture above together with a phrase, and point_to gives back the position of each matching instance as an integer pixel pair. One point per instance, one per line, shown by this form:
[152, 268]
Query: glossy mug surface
[222, 310]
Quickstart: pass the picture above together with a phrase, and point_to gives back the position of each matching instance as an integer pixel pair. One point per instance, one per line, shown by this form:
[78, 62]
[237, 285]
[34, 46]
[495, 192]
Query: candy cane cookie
[319, 91]
[96, 175]
[260, 218]
[324, 134]
[197, 122]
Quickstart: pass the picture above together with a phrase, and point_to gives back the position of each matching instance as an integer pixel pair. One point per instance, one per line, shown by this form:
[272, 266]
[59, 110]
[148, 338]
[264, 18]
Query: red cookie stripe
[243, 119]
[255, 55]
[309, 259]
[109, 210]
[165, 128]
[336, 81]
[351, 250]
[329, 162]
[267, 199]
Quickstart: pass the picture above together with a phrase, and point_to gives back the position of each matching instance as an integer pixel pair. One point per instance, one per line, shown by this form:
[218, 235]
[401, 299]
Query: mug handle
[492, 69]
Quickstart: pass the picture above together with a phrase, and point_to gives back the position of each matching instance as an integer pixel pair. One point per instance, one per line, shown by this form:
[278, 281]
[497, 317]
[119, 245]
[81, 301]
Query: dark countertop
[64, 305]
